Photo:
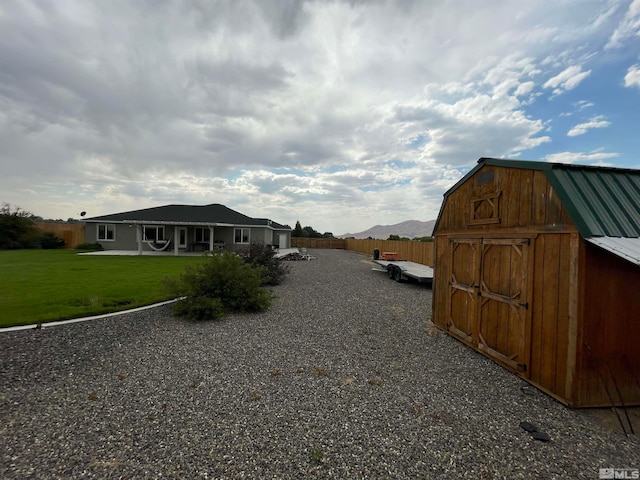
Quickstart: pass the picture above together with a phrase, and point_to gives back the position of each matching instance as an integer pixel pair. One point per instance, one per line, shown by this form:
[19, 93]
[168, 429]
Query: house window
[202, 234]
[154, 234]
[106, 232]
[241, 235]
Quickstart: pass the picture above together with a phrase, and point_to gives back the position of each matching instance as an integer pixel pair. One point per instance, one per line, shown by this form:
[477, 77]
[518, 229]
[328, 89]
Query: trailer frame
[404, 270]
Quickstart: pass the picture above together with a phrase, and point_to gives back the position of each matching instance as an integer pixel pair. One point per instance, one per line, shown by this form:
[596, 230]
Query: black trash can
[376, 254]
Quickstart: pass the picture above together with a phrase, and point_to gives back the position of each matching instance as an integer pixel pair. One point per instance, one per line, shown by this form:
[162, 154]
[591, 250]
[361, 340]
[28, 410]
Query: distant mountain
[410, 229]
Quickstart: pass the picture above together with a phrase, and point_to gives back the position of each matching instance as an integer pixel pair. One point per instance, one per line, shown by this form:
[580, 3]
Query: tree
[8, 210]
[309, 232]
[17, 230]
[393, 236]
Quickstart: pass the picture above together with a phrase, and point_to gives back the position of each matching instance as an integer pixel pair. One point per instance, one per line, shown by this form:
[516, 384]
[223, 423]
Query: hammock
[156, 249]
[152, 243]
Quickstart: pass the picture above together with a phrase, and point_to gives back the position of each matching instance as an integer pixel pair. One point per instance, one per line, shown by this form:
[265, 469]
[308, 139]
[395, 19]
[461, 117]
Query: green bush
[89, 247]
[17, 230]
[261, 255]
[50, 240]
[222, 283]
[200, 308]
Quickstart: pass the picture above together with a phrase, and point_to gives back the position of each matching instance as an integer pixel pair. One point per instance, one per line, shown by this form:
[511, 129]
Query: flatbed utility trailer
[403, 270]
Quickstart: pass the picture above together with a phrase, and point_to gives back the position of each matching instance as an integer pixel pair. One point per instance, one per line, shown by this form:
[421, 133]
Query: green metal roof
[602, 201]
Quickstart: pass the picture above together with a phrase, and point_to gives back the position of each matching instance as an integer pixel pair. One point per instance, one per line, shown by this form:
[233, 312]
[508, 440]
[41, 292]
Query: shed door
[503, 301]
[463, 281]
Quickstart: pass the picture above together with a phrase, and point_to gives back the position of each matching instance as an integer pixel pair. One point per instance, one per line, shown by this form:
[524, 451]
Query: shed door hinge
[522, 367]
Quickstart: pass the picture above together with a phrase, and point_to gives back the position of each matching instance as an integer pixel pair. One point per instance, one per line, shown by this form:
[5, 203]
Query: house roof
[603, 202]
[213, 214]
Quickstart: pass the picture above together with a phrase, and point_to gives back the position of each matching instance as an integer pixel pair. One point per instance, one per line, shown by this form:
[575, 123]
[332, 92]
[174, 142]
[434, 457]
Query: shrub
[17, 230]
[261, 255]
[200, 308]
[222, 283]
[89, 247]
[49, 240]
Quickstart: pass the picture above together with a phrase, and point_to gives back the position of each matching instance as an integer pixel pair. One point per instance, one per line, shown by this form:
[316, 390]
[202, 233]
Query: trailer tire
[397, 274]
[390, 269]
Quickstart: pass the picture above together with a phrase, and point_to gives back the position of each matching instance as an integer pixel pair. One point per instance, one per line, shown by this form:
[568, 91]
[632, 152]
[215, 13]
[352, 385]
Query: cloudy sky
[339, 114]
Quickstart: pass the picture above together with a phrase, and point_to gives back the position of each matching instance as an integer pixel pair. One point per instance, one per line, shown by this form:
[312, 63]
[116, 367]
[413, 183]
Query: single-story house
[184, 228]
[537, 266]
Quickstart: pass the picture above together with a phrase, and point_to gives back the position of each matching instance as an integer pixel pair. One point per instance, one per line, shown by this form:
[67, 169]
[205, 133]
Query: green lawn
[46, 285]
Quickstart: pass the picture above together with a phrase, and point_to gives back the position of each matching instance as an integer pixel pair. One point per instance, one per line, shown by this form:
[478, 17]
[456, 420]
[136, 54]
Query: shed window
[106, 232]
[241, 235]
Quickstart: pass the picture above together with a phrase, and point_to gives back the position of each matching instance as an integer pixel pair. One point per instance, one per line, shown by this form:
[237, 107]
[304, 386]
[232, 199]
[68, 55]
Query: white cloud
[568, 79]
[632, 78]
[577, 106]
[605, 16]
[628, 27]
[524, 89]
[592, 158]
[338, 114]
[582, 128]
[582, 104]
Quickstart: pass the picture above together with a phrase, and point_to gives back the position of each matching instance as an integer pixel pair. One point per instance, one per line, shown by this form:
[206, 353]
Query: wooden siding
[440, 300]
[525, 200]
[71, 233]
[581, 327]
[609, 362]
[552, 317]
[496, 206]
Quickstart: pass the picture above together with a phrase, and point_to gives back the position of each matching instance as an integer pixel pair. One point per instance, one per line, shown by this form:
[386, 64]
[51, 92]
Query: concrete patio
[280, 252]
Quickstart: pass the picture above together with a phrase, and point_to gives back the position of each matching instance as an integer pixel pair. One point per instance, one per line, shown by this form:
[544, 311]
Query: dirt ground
[616, 419]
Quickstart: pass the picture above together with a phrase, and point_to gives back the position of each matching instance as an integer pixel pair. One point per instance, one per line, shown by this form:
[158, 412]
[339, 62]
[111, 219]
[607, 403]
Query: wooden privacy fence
[419, 252]
[304, 242]
[71, 233]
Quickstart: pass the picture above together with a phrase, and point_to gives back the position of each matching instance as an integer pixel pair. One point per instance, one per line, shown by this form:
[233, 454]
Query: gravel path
[344, 377]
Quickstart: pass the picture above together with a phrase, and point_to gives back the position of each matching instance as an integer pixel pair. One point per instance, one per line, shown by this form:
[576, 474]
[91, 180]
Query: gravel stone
[344, 377]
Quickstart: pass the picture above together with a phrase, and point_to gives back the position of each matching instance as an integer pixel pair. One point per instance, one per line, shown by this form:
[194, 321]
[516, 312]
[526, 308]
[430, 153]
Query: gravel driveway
[344, 377]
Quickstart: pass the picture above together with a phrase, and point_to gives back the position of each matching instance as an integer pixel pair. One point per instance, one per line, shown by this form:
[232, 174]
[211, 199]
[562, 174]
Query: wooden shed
[537, 266]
